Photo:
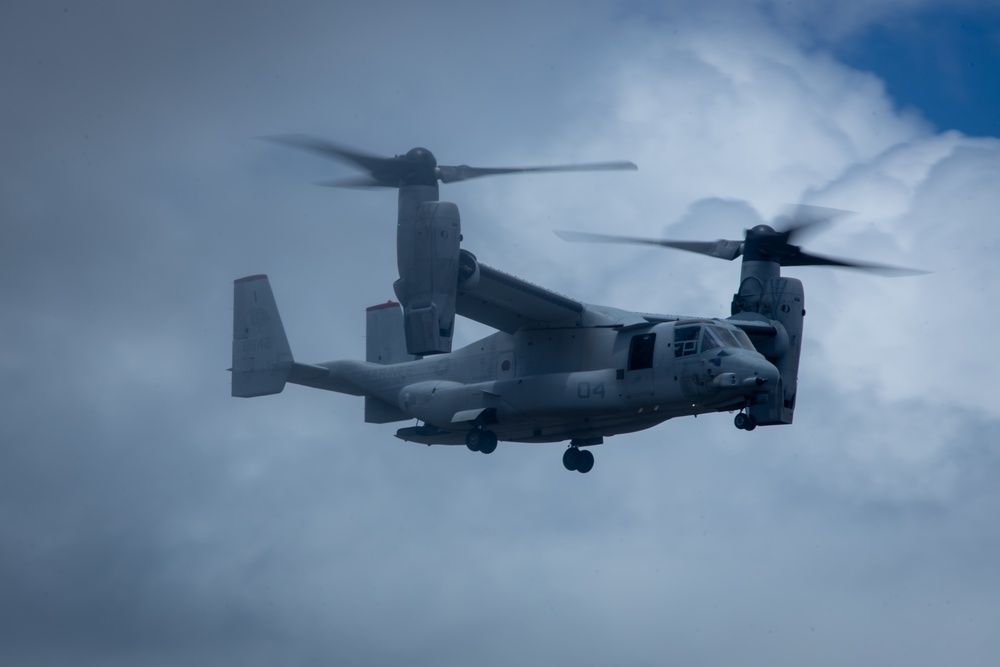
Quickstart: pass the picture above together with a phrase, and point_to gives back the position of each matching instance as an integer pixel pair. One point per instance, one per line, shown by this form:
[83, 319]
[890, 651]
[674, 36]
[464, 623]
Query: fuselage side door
[639, 371]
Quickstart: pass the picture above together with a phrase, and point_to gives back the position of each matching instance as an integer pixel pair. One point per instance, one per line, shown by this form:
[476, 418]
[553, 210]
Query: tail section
[262, 358]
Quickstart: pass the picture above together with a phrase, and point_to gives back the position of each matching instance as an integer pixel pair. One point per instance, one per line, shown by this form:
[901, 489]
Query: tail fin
[262, 358]
[386, 343]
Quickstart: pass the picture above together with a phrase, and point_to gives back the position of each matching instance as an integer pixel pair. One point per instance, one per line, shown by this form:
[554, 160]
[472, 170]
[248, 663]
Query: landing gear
[481, 440]
[580, 460]
[745, 422]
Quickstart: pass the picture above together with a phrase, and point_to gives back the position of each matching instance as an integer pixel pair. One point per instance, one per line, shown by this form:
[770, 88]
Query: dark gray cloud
[147, 517]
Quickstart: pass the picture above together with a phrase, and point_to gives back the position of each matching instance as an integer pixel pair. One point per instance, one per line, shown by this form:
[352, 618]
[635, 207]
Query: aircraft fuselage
[548, 385]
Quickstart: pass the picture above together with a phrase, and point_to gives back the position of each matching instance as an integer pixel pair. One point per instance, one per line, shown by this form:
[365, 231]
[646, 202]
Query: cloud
[146, 516]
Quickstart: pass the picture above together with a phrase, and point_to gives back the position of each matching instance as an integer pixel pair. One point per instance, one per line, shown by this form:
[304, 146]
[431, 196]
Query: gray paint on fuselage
[560, 383]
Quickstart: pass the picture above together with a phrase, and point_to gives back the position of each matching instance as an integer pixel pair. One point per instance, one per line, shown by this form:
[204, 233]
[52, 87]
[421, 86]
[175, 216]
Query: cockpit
[699, 337]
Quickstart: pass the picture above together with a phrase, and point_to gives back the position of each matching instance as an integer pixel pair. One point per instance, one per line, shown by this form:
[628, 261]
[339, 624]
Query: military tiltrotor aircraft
[556, 369]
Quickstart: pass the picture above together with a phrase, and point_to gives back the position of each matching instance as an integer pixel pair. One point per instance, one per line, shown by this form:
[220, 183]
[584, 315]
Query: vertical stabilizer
[262, 358]
[385, 342]
[385, 345]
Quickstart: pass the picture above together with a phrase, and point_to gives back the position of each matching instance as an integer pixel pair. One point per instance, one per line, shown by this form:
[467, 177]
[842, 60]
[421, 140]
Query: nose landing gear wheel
[745, 422]
[580, 460]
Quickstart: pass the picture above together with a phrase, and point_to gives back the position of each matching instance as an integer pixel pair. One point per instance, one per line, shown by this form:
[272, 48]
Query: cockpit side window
[640, 352]
[686, 339]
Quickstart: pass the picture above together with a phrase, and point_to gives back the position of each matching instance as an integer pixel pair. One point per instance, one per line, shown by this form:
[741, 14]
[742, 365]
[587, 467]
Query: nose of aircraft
[758, 372]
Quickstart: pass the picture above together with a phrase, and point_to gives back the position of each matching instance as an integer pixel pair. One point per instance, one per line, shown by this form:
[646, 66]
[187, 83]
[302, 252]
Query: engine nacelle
[428, 257]
[781, 301]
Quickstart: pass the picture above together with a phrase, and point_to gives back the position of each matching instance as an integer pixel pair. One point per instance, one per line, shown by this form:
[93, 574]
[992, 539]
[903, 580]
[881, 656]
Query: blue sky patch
[944, 62]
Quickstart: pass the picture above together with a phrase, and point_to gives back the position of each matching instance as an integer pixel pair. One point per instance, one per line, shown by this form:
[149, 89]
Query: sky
[146, 517]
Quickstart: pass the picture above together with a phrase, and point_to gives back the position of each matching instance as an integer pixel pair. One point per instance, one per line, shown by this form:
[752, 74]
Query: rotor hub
[417, 167]
[422, 157]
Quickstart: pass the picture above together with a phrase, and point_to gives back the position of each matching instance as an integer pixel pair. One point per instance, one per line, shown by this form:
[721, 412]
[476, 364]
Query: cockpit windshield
[742, 338]
[694, 338]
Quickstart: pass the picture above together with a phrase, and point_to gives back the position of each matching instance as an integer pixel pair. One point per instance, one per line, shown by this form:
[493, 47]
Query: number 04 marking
[586, 390]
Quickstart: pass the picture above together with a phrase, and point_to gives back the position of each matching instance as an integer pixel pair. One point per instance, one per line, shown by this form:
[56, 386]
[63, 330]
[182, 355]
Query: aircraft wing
[507, 303]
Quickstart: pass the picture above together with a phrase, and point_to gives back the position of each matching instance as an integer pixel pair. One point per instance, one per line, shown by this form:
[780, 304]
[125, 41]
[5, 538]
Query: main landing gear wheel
[580, 460]
[481, 440]
[745, 422]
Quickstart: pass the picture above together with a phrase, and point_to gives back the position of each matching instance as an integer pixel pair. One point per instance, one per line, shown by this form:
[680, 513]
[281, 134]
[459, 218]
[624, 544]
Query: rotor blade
[464, 172]
[331, 150]
[722, 248]
[800, 220]
[363, 182]
[808, 259]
